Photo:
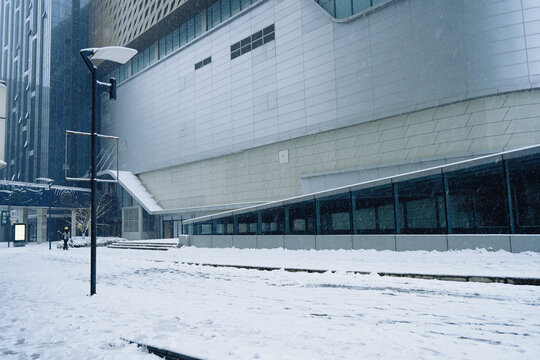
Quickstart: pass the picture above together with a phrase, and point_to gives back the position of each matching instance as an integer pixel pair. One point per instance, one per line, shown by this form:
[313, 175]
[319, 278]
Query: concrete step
[145, 244]
[138, 248]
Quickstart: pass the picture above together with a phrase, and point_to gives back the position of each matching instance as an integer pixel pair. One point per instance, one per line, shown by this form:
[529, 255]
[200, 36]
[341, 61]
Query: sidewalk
[478, 262]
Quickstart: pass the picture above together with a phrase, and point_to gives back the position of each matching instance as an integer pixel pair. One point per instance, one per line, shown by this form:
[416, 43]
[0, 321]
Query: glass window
[247, 223]
[245, 4]
[149, 222]
[374, 210]
[421, 206]
[273, 221]
[216, 14]
[301, 218]
[343, 9]
[225, 9]
[224, 226]
[335, 214]
[183, 34]
[235, 7]
[198, 24]
[203, 228]
[360, 5]
[168, 43]
[161, 47]
[209, 21]
[328, 5]
[524, 176]
[176, 38]
[477, 200]
[190, 29]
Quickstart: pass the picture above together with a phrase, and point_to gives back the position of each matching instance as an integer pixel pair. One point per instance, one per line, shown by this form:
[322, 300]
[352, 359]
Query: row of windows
[215, 14]
[221, 10]
[344, 8]
[497, 198]
[202, 63]
[252, 42]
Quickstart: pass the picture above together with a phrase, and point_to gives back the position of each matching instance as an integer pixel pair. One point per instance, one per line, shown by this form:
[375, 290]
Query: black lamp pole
[93, 188]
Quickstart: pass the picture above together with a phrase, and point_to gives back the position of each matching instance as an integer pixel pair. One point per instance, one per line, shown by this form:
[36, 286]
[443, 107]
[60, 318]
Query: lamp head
[118, 54]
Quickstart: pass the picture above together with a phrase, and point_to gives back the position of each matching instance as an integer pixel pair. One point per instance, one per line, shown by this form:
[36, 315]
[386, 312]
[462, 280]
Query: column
[73, 222]
[41, 226]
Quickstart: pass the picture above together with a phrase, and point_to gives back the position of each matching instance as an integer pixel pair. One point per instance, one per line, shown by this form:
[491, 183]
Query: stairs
[156, 244]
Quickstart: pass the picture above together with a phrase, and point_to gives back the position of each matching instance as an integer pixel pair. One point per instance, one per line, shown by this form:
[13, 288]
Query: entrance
[172, 228]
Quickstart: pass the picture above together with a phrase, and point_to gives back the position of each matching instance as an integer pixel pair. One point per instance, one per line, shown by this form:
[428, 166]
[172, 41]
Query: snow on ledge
[131, 183]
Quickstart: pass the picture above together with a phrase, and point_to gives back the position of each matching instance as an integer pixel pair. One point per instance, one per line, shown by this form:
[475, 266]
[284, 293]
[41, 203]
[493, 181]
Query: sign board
[20, 234]
[4, 217]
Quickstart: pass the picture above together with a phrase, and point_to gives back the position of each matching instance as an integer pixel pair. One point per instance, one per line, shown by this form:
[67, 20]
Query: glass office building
[47, 86]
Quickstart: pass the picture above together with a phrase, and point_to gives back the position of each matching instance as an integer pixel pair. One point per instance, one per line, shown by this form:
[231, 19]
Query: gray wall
[511, 243]
[320, 74]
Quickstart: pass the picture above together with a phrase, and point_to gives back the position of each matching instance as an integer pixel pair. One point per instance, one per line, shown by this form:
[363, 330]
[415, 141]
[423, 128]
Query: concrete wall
[406, 142]
[511, 243]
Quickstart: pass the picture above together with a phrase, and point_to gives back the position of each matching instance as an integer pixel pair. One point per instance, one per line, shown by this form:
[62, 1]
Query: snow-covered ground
[225, 313]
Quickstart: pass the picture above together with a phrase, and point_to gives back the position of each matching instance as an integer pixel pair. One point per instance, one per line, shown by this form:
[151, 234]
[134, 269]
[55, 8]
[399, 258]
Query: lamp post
[120, 55]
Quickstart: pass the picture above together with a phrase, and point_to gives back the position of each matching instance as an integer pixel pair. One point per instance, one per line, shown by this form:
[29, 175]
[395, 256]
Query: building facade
[236, 103]
[48, 92]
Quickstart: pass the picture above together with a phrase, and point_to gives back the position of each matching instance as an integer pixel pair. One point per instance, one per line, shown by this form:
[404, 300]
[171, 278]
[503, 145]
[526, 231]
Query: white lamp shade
[117, 54]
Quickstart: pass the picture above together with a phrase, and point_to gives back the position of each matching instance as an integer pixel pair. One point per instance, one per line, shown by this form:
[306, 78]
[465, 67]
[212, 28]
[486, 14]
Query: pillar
[73, 222]
[41, 226]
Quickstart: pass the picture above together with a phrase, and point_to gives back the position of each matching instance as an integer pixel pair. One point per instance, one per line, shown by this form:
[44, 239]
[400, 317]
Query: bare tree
[105, 204]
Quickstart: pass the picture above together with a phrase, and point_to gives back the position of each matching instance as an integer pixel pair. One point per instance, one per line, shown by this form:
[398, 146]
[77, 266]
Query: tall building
[47, 86]
[47, 94]
[234, 103]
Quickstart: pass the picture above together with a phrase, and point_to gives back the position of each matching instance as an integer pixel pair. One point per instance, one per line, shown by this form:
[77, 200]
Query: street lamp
[120, 55]
[3, 112]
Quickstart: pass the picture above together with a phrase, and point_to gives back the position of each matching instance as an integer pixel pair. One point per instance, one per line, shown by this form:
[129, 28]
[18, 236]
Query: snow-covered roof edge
[131, 183]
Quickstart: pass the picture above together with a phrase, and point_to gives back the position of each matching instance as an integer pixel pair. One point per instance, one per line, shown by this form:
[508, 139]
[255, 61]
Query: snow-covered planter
[79, 241]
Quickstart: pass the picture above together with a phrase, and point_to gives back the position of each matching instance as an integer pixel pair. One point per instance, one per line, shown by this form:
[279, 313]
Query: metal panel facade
[320, 74]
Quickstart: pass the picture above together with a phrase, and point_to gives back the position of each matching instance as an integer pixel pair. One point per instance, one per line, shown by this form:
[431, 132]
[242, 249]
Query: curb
[442, 277]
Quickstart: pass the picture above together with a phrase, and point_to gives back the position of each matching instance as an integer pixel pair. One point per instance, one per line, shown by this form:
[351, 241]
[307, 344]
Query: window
[524, 176]
[131, 219]
[301, 218]
[223, 226]
[421, 206]
[374, 210]
[252, 42]
[203, 228]
[247, 223]
[148, 222]
[335, 214]
[202, 63]
[477, 200]
[273, 221]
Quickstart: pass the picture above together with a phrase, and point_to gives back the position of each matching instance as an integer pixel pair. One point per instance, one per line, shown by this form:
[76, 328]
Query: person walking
[65, 237]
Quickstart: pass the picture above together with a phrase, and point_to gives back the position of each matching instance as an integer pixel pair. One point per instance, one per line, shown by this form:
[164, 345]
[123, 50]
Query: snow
[135, 188]
[226, 313]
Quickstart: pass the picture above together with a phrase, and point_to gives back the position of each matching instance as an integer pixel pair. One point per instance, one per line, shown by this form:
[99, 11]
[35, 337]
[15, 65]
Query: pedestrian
[65, 236]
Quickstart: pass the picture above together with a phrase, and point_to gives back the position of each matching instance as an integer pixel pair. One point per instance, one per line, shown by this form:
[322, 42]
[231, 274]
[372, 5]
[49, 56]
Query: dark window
[421, 206]
[202, 63]
[477, 200]
[203, 228]
[301, 218]
[524, 175]
[247, 223]
[335, 214]
[374, 210]
[224, 226]
[273, 221]
[252, 42]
